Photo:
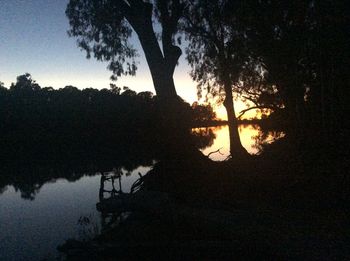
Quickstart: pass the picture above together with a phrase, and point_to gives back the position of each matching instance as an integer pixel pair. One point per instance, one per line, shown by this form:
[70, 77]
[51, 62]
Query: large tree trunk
[162, 63]
[236, 148]
[161, 66]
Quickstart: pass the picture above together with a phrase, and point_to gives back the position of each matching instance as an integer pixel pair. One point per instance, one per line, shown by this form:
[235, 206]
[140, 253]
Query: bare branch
[252, 108]
[217, 151]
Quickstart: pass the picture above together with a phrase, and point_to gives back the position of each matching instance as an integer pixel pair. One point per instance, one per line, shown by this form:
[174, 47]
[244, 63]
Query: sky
[33, 39]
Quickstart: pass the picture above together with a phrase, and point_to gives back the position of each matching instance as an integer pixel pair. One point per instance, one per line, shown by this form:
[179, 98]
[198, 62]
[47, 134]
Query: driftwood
[213, 152]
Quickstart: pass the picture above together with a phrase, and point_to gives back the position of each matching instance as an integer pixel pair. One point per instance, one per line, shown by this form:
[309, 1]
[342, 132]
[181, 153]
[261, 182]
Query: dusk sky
[33, 39]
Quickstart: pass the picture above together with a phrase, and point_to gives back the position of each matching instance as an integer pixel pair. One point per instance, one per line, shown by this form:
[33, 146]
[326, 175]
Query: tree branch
[250, 99]
[217, 151]
[252, 108]
[169, 21]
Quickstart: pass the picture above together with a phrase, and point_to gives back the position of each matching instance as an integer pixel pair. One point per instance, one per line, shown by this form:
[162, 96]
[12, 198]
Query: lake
[33, 226]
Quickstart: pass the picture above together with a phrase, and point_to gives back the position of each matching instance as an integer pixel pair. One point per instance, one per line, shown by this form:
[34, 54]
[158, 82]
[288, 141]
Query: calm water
[32, 229]
[251, 138]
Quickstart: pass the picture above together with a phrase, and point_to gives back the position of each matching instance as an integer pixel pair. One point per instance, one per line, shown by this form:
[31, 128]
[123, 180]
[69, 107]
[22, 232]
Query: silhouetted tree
[202, 113]
[115, 89]
[25, 83]
[328, 93]
[217, 55]
[303, 48]
[279, 38]
[128, 92]
[104, 29]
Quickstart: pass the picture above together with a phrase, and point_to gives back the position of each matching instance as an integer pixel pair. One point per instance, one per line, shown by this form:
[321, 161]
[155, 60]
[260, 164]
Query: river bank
[242, 210]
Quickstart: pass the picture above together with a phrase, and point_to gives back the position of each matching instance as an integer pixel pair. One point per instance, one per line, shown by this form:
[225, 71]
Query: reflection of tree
[266, 137]
[203, 137]
[46, 134]
[109, 189]
[3, 189]
[29, 172]
[28, 179]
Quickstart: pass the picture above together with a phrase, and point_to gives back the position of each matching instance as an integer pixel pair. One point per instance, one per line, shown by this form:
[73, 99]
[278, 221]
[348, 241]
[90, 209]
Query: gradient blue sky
[33, 38]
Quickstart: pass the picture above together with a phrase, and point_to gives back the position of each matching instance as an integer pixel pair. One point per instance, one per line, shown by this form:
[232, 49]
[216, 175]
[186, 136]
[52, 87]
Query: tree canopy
[217, 54]
[104, 29]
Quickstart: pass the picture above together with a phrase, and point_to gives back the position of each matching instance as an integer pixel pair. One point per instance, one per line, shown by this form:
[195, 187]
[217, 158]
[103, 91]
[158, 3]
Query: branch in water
[217, 151]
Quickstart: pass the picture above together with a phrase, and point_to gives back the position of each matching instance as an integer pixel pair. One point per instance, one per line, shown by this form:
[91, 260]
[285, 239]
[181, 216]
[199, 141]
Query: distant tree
[48, 89]
[145, 95]
[115, 89]
[202, 113]
[25, 83]
[3, 90]
[217, 55]
[104, 28]
[70, 88]
[128, 92]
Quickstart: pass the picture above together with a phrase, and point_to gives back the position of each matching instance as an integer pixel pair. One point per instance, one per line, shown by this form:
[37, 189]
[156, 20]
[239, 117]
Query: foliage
[101, 30]
[302, 46]
[202, 113]
[217, 54]
[104, 29]
[25, 83]
[213, 49]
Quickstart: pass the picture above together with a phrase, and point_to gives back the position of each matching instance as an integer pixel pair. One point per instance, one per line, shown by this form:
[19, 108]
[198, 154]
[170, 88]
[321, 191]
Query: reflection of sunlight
[248, 134]
[220, 142]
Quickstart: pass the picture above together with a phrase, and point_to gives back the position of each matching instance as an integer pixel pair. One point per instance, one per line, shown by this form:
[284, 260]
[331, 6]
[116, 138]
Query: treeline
[38, 124]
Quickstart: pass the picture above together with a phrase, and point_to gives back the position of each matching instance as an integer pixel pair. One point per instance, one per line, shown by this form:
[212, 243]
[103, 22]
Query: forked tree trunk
[161, 65]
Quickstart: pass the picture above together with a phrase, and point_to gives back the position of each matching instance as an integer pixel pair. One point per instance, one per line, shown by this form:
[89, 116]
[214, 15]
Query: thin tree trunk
[236, 148]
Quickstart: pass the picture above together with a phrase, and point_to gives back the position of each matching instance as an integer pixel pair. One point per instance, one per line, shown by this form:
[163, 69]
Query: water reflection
[47, 189]
[253, 138]
[62, 190]
[32, 229]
